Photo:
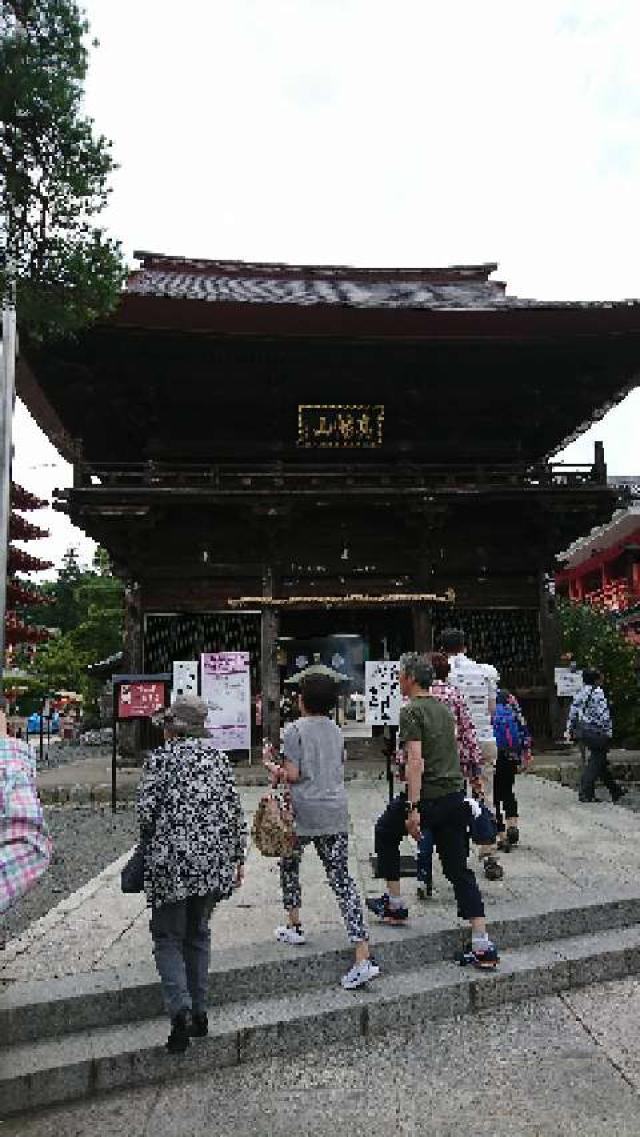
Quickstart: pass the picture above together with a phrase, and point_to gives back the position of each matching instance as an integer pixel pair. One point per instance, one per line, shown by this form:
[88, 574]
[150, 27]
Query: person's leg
[511, 804]
[487, 852]
[606, 774]
[447, 817]
[589, 776]
[389, 832]
[292, 895]
[197, 950]
[500, 790]
[333, 850]
[424, 866]
[168, 926]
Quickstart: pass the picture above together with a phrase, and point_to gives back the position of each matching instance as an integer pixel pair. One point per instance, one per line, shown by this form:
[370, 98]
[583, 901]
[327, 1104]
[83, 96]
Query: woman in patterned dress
[194, 832]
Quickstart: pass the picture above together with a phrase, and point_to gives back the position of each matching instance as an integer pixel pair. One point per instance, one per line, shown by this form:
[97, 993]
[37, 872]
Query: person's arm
[288, 770]
[411, 736]
[147, 796]
[25, 847]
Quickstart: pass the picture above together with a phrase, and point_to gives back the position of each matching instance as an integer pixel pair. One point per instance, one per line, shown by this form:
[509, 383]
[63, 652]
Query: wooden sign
[140, 699]
[340, 426]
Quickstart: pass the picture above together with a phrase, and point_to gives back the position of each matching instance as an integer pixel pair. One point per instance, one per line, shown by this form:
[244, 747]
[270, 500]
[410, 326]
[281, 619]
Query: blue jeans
[424, 868]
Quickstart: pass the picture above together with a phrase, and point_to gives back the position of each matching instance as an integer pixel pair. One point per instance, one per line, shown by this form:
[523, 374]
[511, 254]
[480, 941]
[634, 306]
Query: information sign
[226, 689]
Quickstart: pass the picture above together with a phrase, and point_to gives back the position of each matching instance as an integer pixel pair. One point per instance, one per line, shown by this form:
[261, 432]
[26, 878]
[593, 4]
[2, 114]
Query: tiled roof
[454, 287]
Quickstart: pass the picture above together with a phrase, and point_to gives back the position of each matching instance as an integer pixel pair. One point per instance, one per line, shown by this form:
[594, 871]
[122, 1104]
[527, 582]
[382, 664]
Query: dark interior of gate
[253, 433]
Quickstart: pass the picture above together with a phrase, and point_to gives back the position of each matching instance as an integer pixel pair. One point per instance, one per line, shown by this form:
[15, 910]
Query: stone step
[109, 1058]
[112, 997]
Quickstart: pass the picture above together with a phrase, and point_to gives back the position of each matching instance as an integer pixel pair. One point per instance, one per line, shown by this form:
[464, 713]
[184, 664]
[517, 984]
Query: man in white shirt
[478, 682]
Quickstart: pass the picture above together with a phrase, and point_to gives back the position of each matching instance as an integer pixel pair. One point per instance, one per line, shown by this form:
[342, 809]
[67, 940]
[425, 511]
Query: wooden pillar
[422, 628]
[551, 647]
[270, 678]
[129, 732]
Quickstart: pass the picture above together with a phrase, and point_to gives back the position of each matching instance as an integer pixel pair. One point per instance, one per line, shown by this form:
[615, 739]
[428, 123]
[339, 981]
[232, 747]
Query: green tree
[593, 640]
[54, 172]
[91, 607]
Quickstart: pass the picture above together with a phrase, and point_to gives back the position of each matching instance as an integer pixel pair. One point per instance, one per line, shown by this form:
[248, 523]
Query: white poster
[382, 692]
[226, 689]
[568, 682]
[185, 678]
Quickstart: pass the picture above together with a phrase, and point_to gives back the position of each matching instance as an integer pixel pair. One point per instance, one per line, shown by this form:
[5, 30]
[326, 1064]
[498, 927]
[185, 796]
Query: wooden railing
[284, 478]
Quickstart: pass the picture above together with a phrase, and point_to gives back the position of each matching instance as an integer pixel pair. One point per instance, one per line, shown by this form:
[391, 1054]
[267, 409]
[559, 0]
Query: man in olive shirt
[434, 800]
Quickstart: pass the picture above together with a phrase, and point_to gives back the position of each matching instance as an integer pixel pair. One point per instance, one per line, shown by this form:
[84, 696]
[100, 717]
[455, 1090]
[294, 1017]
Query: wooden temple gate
[246, 434]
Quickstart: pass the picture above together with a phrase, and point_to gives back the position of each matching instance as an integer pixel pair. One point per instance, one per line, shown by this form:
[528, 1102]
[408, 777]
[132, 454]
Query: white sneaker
[287, 935]
[360, 974]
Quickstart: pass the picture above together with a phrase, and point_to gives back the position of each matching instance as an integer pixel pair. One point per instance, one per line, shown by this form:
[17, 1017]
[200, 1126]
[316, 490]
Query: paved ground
[566, 1066]
[567, 850]
[85, 840]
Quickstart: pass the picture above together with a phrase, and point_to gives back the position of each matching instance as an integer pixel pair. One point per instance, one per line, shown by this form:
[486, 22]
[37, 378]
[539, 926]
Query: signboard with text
[226, 689]
[140, 699]
[382, 693]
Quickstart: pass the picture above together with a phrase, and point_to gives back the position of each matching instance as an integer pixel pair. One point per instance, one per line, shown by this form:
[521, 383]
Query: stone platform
[81, 1002]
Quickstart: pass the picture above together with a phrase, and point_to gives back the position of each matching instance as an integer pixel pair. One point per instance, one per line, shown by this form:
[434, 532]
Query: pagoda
[22, 593]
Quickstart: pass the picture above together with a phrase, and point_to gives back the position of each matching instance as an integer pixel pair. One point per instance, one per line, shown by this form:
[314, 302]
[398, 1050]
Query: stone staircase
[72, 1038]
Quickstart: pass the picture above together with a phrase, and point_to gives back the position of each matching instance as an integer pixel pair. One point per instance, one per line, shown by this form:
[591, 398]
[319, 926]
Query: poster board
[185, 678]
[568, 682]
[226, 689]
[382, 692]
[140, 699]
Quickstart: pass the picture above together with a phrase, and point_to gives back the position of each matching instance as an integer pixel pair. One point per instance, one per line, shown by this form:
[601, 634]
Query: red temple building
[316, 460]
[603, 569]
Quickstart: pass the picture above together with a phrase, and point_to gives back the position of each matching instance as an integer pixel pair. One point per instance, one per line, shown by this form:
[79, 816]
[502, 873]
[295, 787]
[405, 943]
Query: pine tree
[54, 172]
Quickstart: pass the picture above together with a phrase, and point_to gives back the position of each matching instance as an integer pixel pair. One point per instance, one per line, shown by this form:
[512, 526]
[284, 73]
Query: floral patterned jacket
[191, 821]
[468, 745]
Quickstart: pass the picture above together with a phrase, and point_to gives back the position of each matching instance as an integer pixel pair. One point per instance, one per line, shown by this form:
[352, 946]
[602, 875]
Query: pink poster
[226, 689]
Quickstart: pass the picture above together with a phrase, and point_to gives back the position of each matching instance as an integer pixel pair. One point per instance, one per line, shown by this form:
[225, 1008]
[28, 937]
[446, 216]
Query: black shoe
[617, 794]
[586, 800]
[513, 835]
[178, 1040]
[199, 1026]
[493, 870]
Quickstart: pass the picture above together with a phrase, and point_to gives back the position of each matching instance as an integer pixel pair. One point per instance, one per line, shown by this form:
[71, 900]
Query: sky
[365, 132]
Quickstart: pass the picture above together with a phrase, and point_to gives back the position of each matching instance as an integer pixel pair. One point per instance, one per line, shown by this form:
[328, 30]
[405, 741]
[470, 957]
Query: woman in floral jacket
[194, 833]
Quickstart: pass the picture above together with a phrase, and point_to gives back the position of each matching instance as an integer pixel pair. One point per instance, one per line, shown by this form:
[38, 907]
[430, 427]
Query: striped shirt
[25, 845]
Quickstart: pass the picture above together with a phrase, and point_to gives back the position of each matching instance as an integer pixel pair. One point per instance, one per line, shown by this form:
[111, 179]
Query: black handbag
[132, 875]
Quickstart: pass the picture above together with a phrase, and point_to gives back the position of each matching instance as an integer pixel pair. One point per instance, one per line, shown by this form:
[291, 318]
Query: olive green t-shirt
[427, 720]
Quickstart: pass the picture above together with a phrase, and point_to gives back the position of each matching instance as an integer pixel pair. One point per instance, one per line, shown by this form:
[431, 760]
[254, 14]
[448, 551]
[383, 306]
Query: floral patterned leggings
[333, 850]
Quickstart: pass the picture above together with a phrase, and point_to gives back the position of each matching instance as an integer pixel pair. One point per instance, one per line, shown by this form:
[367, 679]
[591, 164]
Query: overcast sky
[375, 133]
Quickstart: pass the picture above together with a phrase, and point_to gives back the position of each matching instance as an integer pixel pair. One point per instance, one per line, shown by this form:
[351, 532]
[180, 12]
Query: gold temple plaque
[340, 425]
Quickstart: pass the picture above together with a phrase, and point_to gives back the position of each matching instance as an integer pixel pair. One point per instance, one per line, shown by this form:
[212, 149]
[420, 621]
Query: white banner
[185, 678]
[382, 692]
[226, 689]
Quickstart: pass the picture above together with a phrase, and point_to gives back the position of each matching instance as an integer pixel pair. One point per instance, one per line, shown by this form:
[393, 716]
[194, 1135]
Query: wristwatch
[412, 806]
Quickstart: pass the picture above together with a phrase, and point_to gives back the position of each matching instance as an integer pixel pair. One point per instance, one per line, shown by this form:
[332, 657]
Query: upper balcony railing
[283, 478]
[615, 596]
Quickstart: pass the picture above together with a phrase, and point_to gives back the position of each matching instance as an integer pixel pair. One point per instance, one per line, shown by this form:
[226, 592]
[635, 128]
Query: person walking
[513, 742]
[470, 761]
[313, 768]
[478, 682]
[589, 721]
[194, 837]
[435, 800]
[25, 845]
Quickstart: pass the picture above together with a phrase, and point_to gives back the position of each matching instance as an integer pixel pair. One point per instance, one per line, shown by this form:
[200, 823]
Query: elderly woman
[194, 834]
